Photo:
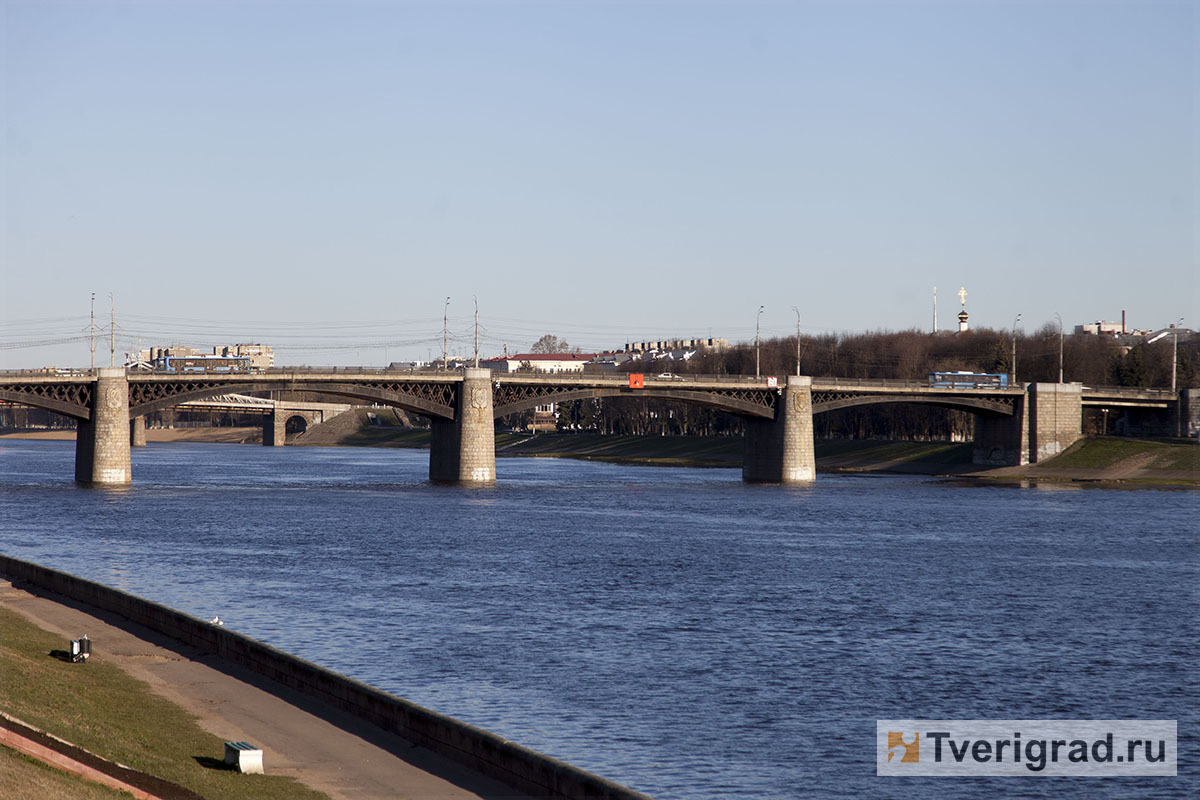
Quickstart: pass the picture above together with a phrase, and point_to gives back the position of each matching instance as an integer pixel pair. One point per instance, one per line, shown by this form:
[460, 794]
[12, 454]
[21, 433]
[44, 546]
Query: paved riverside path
[320, 747]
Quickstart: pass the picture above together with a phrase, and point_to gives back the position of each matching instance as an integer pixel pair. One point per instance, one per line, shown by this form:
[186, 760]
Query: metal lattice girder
[829, 400]
[69, 397]
[510, 397]
[429, 397]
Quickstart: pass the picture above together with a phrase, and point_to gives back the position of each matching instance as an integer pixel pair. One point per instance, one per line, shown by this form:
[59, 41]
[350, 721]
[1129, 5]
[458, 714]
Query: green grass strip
[1106, 452]
[101, 708]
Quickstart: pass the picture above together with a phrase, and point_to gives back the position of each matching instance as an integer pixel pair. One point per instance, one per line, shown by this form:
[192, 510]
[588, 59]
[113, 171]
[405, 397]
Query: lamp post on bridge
[1060, 346]
[797, 340]
[1014, 349]
[757, 320]
[1175, 353]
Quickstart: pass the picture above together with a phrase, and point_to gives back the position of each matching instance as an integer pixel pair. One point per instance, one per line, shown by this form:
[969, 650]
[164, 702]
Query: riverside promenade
[322, 748]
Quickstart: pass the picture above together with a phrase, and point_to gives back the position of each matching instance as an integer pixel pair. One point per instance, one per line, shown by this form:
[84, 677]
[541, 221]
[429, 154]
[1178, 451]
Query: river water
[674, 630]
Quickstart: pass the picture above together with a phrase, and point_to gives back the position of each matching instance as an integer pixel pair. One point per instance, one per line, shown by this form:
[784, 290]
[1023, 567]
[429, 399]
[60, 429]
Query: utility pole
[935, 309]
[1014, 352]
[757, 320]
[476, 299]
[445, 317]
[92, 331]
[112, 330]
[797, 340]
[1060, 347]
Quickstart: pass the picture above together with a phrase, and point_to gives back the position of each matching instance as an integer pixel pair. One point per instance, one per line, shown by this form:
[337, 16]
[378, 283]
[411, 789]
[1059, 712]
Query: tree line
[904, 355]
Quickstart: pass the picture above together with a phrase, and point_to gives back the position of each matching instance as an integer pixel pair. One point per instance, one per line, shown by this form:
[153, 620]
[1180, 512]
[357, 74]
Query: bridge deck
[432, 391]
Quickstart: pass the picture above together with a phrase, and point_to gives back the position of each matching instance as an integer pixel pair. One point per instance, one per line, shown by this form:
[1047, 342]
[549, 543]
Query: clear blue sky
[323, 175]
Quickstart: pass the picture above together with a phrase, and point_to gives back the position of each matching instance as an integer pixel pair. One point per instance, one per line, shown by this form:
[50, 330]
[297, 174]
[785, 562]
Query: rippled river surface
[672, 629]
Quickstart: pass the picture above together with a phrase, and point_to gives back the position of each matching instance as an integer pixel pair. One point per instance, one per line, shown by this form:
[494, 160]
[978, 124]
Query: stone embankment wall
[477, 749]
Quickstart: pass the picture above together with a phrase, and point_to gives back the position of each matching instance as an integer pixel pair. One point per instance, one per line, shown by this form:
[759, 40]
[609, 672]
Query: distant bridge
[1017, 425]
[280, 417]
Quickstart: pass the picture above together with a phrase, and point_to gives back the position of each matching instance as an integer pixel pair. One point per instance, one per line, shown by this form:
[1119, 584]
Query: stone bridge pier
[275, 423]
[463, 450]
[102, 442]
[1047, 421]
[780, 450]
[137, 432]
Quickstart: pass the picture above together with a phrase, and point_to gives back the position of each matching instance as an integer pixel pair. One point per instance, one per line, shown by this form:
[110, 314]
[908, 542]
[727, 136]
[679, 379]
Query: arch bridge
[1017, 425]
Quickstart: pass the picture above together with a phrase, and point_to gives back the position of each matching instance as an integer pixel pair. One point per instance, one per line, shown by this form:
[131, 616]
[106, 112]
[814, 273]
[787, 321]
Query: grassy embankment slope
[102, 709]
[1108, 451]
[1157, 462]
[27, 777]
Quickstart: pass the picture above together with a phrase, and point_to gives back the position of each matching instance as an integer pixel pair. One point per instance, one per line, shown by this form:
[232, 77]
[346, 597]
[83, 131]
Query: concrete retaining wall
[475, 748]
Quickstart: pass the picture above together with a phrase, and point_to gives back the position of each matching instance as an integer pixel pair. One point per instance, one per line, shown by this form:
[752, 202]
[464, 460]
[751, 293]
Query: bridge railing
[46, 373]
[891, 383]
[1128, 391]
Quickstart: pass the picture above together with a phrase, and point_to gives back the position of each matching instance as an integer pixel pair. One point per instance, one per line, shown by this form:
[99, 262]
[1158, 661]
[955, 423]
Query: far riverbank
[1091, 461]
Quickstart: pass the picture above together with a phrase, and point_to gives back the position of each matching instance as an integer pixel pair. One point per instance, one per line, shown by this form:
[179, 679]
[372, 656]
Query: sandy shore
[322, 748]
[219, 435]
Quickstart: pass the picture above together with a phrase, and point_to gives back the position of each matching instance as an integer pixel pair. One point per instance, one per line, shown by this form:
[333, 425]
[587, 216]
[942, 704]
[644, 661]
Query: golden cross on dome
[962, 296]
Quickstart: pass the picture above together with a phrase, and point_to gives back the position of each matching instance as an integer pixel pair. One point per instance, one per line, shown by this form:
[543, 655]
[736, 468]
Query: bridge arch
[738, 406]
[184, 392]
[974, 405]
[67, 408]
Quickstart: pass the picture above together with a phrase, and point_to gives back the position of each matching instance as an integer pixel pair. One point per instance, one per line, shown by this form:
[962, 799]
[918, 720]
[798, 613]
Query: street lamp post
[1175, 354]
[757, 320]
[445, 318]
[1060, 347]
[1016, 319]
[797, 340]
[476, 299]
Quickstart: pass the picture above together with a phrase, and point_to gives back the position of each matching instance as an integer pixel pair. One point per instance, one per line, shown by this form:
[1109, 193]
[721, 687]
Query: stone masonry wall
[102, 443]
[274, 429]
[1055, 418]
[1189, 412]
[137, 432]
[781, 450]
[463, 450]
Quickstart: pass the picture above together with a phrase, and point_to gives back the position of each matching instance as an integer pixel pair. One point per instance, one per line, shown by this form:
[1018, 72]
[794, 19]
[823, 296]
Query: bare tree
[550, 344]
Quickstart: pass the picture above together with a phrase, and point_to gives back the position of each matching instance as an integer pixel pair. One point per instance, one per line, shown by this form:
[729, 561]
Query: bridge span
[278, 416]
[1014, 425]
